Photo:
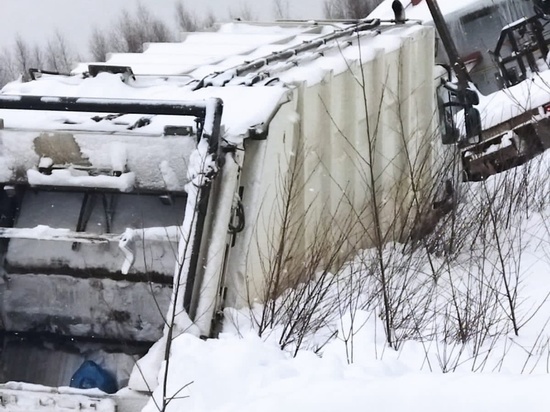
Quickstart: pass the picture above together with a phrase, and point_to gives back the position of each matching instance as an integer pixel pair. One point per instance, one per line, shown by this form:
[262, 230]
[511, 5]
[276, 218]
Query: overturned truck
[144, 193]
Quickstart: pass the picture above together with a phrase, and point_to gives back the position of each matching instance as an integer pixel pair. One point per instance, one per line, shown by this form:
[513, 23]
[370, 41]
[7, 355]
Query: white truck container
[149, 189]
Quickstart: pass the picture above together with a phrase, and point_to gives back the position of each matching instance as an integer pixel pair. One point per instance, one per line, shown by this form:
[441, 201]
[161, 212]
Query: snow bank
[248, 374]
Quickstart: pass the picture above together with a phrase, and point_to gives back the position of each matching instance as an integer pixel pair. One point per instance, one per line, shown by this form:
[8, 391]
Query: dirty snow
[101, 153]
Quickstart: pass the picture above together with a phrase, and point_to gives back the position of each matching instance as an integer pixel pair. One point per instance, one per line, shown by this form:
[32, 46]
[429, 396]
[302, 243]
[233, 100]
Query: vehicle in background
[494, 105]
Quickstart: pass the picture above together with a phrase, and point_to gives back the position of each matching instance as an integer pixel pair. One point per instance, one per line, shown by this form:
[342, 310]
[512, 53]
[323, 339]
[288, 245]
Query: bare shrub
[352, 297]
[300, 293]
[454, 280]
[482, 284]
[297, 296]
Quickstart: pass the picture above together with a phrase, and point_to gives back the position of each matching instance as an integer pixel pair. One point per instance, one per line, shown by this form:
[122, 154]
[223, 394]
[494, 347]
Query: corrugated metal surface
[355, 147]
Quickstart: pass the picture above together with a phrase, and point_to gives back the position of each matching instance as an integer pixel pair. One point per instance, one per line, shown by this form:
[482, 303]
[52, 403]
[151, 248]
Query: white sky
[37, 20]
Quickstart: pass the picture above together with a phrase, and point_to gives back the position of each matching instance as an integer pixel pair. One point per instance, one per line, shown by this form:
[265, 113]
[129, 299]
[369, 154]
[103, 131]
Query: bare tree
[6, 67]
[59, 56]
[134, 30]
[244, 13]
[186, 20]
[189, 21]
[23, 56]
[209, 20]
[99, 45]
[56, 55]
[17, 61]
[129, 33]
[349, 9]
[281, 9]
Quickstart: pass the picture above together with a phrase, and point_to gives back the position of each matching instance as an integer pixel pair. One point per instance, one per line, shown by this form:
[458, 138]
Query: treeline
[131, 29]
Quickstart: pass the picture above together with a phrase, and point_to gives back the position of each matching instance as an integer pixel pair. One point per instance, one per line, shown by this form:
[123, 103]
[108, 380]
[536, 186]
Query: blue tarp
[91, 375]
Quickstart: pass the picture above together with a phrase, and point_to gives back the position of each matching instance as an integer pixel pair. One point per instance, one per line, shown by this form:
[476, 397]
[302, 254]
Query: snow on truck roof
[252, 68]
[176, 72]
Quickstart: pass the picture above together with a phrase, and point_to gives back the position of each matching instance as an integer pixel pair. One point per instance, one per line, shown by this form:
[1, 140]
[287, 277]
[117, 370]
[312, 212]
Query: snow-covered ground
[248, 374]
[496, 279]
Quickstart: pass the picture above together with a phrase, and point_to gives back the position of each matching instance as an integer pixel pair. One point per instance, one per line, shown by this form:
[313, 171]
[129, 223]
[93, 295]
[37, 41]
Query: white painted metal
[383, 102]
[35, 401]
[18, 397]
[215, 245]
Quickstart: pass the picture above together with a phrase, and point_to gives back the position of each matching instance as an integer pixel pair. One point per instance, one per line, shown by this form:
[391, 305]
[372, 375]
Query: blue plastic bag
[91, 375]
